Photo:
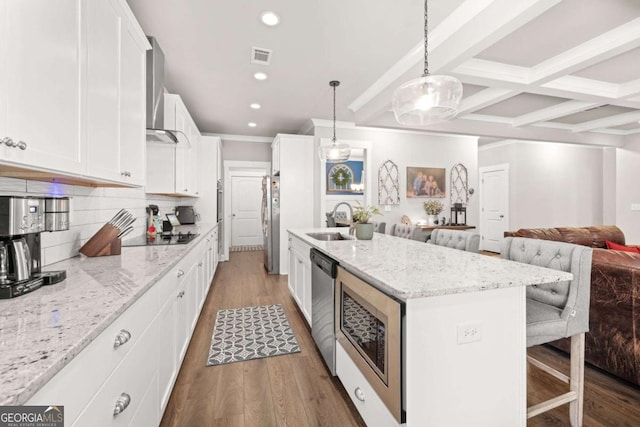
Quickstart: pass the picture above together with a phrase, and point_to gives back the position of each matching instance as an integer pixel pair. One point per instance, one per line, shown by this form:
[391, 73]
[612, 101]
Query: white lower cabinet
[371, 408]
[121, 395]
[133, 364]
[299, 280]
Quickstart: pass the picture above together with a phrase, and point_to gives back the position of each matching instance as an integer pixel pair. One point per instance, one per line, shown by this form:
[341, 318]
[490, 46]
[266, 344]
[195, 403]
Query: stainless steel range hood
[156, 131]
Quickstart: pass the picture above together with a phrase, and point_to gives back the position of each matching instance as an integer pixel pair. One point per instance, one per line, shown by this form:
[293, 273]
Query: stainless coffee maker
[22, 219]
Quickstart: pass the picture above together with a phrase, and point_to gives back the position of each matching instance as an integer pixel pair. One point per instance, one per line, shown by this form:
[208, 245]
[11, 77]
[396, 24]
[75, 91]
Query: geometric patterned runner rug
[246, 248]
[251, 333]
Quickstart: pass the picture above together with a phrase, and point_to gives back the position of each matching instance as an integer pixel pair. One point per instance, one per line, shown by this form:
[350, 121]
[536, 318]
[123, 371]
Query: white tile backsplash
[90, 209]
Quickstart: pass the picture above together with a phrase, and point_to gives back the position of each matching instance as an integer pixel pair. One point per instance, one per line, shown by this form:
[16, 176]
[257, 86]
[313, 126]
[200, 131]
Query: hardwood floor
[289, 390]
[296, 390]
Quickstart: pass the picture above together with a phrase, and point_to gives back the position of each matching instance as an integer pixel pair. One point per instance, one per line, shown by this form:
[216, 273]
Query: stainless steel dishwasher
[323, 280]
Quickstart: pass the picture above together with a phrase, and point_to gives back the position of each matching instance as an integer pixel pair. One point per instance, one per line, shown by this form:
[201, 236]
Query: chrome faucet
[352, 228]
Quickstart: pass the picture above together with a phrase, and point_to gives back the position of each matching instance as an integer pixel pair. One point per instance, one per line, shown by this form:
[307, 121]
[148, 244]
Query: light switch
[635, 206]
[387, 208]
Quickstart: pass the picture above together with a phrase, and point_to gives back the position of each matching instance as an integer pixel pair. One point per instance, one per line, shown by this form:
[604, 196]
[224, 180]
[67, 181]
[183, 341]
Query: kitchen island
[62, 343]
[463, 334]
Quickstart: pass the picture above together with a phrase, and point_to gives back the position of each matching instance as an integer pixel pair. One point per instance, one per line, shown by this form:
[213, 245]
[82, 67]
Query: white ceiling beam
[460, 37]
[483, 99]
[560, 110]
[629, 89]
[598, 49]
[607, 122]
[486, 126]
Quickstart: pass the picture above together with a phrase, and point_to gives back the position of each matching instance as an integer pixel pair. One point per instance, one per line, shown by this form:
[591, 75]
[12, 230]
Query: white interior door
[494, 206]
[246, 199]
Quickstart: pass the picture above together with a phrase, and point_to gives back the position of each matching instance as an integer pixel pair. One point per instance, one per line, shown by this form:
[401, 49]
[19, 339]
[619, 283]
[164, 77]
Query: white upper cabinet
[40, 96]
[115, 119]
[173, 169]
[72, 90]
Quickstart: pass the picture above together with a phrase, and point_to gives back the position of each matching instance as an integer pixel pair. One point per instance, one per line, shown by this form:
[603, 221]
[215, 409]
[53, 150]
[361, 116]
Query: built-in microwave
[369, 327]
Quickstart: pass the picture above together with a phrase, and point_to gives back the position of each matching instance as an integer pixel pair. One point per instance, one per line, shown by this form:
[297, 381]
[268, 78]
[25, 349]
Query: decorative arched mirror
[459, 184]
[388, 184]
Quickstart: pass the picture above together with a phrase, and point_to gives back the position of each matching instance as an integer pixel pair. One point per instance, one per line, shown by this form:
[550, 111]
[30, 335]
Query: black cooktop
[159, 240]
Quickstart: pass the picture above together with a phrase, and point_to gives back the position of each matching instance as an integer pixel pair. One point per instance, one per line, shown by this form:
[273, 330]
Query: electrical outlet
[469, 332]
[387, 208]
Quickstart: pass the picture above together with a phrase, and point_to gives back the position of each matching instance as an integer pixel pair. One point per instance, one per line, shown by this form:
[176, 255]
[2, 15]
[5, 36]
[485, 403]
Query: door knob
[501, 216]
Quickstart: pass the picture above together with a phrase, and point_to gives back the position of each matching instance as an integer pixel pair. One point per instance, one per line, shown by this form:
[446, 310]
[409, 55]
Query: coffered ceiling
[551, 70]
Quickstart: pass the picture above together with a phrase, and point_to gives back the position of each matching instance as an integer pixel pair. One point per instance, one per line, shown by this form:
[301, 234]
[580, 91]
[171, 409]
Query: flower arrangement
[362, 214]
[433, 207]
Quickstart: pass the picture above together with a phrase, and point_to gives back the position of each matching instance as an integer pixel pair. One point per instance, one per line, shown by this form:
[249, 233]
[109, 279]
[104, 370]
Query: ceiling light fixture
[428, 99]
[255, 106]
[251, 124]
[270, 18]
[334, 152]
[260, 76]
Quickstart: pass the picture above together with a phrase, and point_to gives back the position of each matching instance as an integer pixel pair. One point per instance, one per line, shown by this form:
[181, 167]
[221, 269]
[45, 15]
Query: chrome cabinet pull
[122, 338]
[121, 404]
[359, 394]
[11, 143]
[180, 273]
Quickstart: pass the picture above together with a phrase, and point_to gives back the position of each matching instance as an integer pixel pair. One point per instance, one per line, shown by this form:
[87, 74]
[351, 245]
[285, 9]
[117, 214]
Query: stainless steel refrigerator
[271, 223]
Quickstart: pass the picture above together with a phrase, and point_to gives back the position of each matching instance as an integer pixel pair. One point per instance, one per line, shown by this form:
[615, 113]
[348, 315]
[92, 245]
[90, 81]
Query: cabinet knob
[359, 394]
[186, 190]
[180, 273]
[180, 294]
[121, 404]
[200, 264]
[122, 338]
[22, 145]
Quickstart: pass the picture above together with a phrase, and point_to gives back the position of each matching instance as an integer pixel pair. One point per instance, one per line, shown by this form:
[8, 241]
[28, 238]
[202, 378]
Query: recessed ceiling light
[252, 124]
[260, 76]
[270, 18]
[255, 106]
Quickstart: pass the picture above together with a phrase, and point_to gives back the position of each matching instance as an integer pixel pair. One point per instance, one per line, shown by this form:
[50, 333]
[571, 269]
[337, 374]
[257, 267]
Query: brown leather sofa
[613, 342]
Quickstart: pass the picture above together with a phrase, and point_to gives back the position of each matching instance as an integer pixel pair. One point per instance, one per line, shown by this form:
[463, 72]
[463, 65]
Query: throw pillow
[617, 247]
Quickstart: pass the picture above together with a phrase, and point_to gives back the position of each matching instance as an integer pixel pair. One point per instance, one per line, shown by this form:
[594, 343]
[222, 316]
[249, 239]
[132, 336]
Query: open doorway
[242, 204]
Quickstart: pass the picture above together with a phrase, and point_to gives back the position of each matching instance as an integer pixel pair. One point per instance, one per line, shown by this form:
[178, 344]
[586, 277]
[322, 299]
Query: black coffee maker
[22, 219]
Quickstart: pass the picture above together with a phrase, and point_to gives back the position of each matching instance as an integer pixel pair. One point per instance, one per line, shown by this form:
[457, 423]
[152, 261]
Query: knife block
[104, 243]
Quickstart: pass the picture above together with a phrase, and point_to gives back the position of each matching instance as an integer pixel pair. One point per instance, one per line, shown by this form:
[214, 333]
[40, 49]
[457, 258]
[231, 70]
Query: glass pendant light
[428, 99]
[334, 152]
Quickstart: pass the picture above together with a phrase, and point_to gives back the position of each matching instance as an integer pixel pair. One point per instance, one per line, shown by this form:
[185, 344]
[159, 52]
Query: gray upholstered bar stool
[405, 231]
[455, 239]
[557, 310]
[379, 227]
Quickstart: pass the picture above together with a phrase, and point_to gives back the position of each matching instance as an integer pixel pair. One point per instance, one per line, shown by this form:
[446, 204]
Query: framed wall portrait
[345, 177]
[426, 182]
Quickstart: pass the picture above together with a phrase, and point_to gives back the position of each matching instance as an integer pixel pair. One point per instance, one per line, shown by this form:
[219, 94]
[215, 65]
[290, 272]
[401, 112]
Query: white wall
[627, 190]
[551, 184]
[246, 151]
[90, 209]
[409, 149]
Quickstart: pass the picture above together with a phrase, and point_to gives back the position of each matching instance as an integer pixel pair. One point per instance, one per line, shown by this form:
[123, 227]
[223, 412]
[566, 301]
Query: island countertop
[408, 269]
[42, 331]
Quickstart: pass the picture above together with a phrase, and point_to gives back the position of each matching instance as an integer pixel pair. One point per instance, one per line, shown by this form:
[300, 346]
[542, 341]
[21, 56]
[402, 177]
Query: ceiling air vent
[260, 56]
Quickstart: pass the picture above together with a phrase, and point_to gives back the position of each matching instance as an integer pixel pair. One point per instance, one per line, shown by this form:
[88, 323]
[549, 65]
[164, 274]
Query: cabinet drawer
[301, 248]
[77, 382]
[131, 378]
[369, 405]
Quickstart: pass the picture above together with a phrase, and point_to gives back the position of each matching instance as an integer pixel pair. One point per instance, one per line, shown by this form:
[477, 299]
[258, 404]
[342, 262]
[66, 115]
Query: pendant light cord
[334, 113]
[426, 41]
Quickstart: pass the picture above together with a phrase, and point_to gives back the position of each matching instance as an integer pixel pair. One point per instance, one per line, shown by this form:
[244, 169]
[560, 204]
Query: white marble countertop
[42, 331]
[410, 269]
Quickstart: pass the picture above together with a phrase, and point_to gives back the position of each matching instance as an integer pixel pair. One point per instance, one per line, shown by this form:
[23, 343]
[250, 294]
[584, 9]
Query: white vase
[432, 219]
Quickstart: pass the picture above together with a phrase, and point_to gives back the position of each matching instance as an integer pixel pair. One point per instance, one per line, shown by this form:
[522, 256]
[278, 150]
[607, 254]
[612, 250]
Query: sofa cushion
[576, 235]
[601, 233]
[617, 247]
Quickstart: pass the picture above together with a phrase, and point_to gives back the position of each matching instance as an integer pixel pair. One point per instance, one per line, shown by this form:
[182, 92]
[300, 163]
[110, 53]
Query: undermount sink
[329, 236]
